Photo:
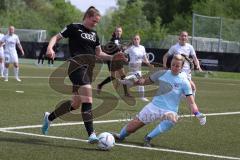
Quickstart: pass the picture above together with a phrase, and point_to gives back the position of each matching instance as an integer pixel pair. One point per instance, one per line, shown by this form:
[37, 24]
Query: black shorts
[80, 74]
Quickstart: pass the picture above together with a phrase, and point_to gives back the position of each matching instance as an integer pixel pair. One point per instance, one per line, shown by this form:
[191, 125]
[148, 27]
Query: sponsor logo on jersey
[91, 37]
[176, 85]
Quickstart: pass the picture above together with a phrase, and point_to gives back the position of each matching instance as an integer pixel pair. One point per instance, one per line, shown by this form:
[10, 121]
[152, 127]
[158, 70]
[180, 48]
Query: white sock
[5, 73]
[141, 91]
[16, 70]
[1, 69]
[194, 93]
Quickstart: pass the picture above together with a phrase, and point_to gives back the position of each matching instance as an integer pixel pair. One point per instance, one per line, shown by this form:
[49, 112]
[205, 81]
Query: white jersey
[186, 50]
[10, 43]
[136, 55]
[1, 48]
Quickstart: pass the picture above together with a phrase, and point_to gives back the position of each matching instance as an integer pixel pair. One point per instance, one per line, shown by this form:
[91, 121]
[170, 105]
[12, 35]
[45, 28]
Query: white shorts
[11, 58]
[135, 69]
[189, 76]
[151, 113]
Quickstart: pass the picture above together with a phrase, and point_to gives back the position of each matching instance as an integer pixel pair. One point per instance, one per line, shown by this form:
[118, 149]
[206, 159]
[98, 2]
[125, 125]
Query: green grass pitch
[22, 105]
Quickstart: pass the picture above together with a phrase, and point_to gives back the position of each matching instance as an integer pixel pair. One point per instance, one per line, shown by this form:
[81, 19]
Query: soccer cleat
[99, 89]
[144, 99]
[147, 141]
[202, 118]
[46, 123]
[18, 79]
[93, 138]
[116, 136]
[6, 79]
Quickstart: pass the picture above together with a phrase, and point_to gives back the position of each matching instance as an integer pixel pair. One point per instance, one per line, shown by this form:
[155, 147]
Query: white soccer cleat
[202, 118]
[6, 79]
[18, 79]
[144, 99]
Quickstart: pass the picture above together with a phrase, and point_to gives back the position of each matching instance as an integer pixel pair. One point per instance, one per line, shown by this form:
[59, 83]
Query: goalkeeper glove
[201, 117]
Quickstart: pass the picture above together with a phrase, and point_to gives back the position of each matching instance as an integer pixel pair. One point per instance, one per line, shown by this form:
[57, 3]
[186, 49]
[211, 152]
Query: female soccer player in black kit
[43, 52]
[84, 45]
[117, 67]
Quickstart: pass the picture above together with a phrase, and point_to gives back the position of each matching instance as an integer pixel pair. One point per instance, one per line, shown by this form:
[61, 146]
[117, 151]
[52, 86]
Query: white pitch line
[215, 114]
[63, 124]
[107, 121]
[45, 136]
[45, 77]
[128, 145]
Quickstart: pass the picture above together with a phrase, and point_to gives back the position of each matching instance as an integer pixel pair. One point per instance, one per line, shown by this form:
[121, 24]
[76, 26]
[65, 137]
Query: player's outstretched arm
[104, 56]
[50, 51]
[200, 116]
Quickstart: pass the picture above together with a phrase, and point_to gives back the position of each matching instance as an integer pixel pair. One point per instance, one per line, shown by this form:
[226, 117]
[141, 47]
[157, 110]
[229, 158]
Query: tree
[38, 14]
[157, 32]
[131, 17]
[227, 10]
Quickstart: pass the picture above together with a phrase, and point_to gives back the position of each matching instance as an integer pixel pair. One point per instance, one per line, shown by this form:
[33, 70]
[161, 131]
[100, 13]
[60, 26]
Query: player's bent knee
[170, 116]
[76, 103]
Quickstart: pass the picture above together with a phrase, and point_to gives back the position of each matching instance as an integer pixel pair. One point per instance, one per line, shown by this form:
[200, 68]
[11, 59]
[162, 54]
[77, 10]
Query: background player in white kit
[11, 40]
[1, 56]
[137, 55]
[186, 49]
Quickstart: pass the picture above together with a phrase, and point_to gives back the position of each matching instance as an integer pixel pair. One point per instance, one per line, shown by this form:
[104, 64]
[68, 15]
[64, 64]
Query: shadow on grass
[33, 141]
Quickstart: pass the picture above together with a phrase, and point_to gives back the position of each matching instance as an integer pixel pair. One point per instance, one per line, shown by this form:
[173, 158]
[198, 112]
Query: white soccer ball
[106, 141]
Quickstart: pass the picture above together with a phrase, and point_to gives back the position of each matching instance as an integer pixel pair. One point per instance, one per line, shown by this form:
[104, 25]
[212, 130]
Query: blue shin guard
[123, 133]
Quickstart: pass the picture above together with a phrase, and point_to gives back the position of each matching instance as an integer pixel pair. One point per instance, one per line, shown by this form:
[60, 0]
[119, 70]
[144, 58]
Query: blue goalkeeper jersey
[171, 88]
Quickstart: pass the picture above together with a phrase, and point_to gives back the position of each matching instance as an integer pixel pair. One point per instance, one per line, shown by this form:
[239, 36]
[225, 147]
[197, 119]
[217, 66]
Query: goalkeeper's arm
[201, 117]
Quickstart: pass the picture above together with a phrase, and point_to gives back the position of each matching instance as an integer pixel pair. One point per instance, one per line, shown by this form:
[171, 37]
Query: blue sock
[123, 133]
[196, 113]
[164, 126]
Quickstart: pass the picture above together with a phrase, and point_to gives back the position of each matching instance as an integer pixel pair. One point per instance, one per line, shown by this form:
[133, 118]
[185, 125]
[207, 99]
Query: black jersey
[81, 39]
[116, 40]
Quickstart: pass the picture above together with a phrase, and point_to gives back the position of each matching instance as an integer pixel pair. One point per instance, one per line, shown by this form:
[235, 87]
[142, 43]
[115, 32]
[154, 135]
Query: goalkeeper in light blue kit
[164, 105]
